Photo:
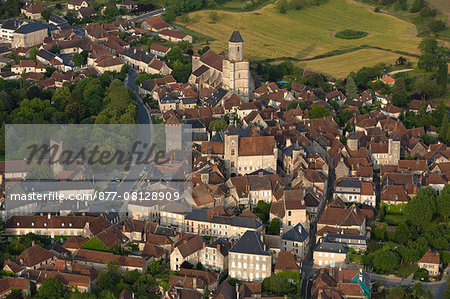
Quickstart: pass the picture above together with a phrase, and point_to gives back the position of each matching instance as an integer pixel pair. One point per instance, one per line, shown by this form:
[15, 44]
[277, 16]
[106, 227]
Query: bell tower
[236, 47]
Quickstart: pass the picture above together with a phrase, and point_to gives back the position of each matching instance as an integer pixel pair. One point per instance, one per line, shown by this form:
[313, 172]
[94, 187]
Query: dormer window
[62, 224]
[18, 223]
[45, 224]
[32, 223]
[70, 224]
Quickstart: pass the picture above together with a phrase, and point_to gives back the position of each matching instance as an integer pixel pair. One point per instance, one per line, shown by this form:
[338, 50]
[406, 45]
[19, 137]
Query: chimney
[218, 248]
[181, 234]
[32, 243]
[194, 281]
[204, 244]
[123, 228]
[184, 242]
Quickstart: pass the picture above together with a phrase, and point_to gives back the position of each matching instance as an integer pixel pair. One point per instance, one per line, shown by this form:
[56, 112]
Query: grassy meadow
[306, 33]
[340, 65]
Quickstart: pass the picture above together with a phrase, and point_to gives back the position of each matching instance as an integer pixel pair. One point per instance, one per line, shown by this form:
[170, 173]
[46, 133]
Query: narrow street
[145, 135]
[307, 265]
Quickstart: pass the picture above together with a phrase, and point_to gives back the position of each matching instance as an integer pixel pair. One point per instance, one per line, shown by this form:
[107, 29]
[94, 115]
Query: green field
[303, 34]
[340, 65]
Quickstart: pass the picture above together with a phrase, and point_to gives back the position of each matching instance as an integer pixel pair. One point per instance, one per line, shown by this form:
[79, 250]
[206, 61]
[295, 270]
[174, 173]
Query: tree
[51, 288]
[154, 267]
[421, 274]
[262, 210]
[33, 53]
[401, 60]
[399, 96]
[417, 5]
[15, 294]
[283, 283]
[282, 6]
[427, 12]
[274, 227]
[184, 45]
[436, 26]
[396, 293]
[141, 78]
[71, 16]
[182, 72]
[78, 59]
[218, 125]
[46, 14]
[174, 54]
[55, 49]
[294, 104]
[402, 233]
[343, 117]
[351, 90]
[318, 111]
[40, 171]
[203, 50]
[443, 202]
[429, 58]
[444, 128]
[385, 261]
[213, 16]
[442, 74]
[199, 266]
[110, 12]
[421, 208]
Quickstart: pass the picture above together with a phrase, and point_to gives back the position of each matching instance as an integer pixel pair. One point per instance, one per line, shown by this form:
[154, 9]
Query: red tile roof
[430, 258]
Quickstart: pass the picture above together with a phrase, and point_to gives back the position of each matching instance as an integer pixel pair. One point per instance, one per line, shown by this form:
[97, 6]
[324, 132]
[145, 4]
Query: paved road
[437, 288]
[148, 15]
[145, 131]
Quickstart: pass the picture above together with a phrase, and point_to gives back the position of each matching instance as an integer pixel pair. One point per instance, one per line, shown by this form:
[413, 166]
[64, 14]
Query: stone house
[431, 262]
[328, 254]
[248, 260]
[296, 241]
[30, 35]
[188, 249]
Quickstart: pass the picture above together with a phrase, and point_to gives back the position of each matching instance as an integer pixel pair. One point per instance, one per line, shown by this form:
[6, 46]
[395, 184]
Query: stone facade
[29, 39]
[233, 74]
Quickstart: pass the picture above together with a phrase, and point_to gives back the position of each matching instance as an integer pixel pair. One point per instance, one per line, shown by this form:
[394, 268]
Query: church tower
[231, 150]
[236, 47]
[236, 70]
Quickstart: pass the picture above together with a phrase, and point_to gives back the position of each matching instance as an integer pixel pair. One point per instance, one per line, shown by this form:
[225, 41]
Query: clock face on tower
[232, 142]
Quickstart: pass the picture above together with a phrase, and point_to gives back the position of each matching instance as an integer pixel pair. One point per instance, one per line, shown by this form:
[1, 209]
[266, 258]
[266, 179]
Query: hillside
[303, 34]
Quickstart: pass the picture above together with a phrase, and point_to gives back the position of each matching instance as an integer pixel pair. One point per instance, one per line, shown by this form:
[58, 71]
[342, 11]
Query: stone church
[232, 74]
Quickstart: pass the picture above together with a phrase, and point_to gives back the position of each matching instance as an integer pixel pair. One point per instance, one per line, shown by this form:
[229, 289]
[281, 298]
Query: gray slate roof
[236, 37]
[296, 234]
[331, 247]
[31, 27]
[250, 243]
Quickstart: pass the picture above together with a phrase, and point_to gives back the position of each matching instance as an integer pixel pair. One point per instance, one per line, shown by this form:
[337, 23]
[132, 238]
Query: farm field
[341, 65]
[302, 34]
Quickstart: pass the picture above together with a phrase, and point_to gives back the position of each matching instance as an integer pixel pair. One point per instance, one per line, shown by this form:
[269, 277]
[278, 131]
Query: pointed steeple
[236, 37]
